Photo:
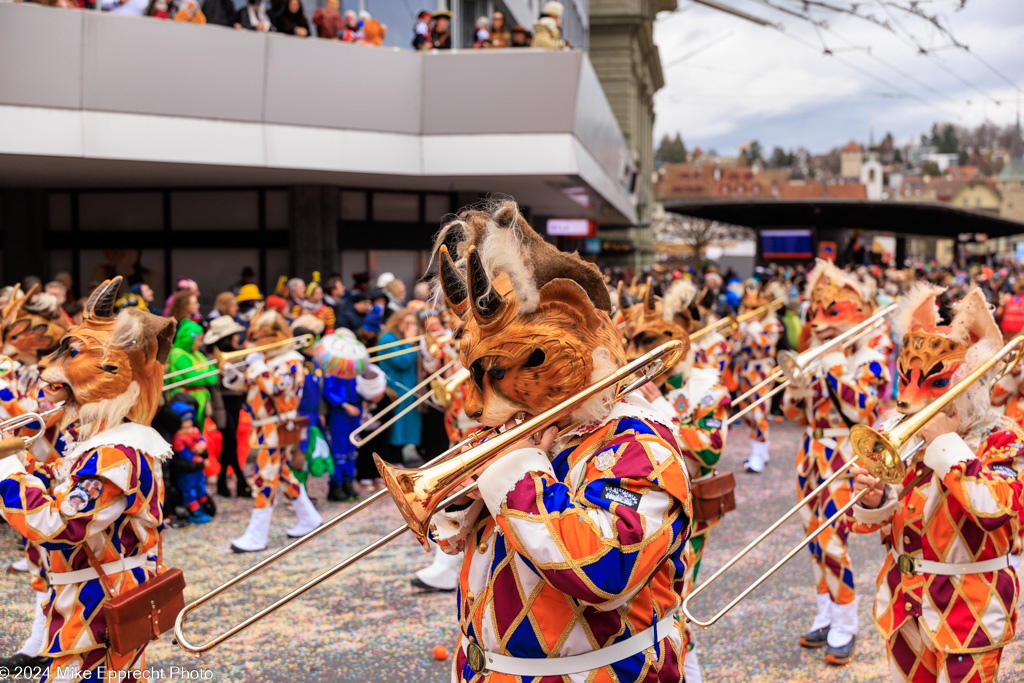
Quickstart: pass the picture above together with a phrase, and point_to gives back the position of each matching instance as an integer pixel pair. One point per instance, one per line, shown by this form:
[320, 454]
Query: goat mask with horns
[111, 367]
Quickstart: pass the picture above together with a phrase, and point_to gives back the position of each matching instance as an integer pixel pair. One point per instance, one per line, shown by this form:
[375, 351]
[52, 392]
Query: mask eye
[496, 374]
[535, 359]
[940, 383]
[73, 352]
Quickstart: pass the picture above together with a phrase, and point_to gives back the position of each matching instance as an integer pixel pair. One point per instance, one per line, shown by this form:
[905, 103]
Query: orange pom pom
[440, 653]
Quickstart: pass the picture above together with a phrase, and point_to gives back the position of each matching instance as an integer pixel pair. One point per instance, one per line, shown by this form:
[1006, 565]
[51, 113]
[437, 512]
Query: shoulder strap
[835, 402]
[98, 567]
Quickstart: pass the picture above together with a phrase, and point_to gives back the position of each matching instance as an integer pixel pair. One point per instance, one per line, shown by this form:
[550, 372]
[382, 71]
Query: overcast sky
[748, 82]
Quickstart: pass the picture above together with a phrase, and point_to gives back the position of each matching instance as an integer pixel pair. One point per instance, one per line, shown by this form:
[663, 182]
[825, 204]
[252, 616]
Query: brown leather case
[139, 616]
[712, 496]
[289, 432]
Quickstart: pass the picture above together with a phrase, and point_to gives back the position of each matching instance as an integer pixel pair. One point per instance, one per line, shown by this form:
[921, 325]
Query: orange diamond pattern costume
[959, 509]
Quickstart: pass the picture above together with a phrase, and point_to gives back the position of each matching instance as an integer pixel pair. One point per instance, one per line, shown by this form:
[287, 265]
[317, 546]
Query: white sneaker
[19, 567]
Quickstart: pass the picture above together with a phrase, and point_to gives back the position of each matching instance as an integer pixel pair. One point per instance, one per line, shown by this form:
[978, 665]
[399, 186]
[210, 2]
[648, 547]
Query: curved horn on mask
[453, 285]
[485, 299]
[625, 300]
[649, 306]
[101, 303]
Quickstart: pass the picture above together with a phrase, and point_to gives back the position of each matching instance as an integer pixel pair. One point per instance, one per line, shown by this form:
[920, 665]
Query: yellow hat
[249, 293]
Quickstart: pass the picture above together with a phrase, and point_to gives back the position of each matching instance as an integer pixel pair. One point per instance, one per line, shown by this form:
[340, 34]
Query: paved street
[369, 625]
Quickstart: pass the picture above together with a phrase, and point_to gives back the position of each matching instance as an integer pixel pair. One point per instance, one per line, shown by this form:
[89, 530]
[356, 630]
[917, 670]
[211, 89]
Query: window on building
[741, 188]
[757, 188]
[724, 189]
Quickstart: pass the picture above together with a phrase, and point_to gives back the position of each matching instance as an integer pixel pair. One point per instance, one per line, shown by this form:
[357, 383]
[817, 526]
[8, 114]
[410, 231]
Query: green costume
[183, 357]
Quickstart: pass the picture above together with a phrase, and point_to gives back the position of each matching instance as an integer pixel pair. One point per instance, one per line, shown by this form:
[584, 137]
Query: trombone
[458, 378]
[431, 487]
[230, 360]
[16, 444]
[434, 345]
[733, 322]
[885, 452]
[795, 367]
[12, 367]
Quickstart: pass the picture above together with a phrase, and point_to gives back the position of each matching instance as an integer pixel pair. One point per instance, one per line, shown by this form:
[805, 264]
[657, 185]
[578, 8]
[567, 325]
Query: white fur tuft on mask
[677, 299]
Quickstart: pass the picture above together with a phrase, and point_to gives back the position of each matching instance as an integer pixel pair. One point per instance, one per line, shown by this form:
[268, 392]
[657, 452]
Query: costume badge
[604, 461]
[475, 658]
[1005, 471]
[713, 423]
[621, 496]
[84, 492]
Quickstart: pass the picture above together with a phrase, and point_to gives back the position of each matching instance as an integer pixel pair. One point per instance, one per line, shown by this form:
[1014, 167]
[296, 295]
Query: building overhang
[931, 219]
[280, 110]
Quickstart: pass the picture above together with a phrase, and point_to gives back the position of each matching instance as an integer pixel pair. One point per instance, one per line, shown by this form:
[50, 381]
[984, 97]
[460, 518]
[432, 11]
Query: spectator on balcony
[158, 9]
[131, 8]
[252, 17]
[352, 32]
[374, 32]
[500, 35]
[520, 36]
[421, 31]
[189, 13]
[292, 20]
[481, 36]
[441, 36]
[547, 32]
[219, 12]
[328, 21]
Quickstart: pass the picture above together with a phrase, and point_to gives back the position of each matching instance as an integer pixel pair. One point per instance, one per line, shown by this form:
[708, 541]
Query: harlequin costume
[274, 384]
[572, 551]
[845, 389]
[30, 327]
[696, 403]
[754, 361]
[946, 598]
[104, 495]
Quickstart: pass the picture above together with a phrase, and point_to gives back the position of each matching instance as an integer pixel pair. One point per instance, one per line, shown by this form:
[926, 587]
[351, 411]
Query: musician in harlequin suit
[754, 361]
[101, 503]
[946, 598]
[844, 390]
[274, 382]
[31, 325]
[696, 402]
[571, 545]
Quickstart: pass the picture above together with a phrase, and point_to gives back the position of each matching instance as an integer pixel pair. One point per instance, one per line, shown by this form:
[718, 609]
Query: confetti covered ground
[369, 624]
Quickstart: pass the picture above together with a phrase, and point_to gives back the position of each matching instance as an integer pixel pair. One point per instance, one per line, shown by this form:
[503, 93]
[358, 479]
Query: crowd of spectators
[431, 30]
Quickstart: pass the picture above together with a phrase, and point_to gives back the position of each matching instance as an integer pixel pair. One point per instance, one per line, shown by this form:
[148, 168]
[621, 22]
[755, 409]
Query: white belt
[827, 432]
[564, 666]
[908, 564]
[90, 573]
[274, 419]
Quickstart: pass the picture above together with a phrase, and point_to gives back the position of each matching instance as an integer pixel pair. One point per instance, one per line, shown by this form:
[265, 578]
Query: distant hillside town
[980, 169]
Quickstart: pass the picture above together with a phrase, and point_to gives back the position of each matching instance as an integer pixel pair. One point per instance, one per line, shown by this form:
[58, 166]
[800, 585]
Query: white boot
[255, 536]
[34, 644]
[758, 457]
[766, 451]
[307, 516]
[19, 567]
[844, 624]
[443, 573]
[824, 616]
[691, 667]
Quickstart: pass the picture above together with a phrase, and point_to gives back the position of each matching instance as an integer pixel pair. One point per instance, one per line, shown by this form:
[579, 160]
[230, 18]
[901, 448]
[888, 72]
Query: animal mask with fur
[532, 334]
[268, 327]
[837, 302]
[653, 322]
[933, 357]
[31, 325]
[110, 368]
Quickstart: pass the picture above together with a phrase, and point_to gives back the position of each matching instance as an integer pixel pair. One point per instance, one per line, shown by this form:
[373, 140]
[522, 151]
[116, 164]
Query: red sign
[827, 250]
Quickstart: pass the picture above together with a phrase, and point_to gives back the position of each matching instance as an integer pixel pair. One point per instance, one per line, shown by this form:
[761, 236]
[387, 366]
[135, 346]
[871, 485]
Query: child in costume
[947, 594]
[190, 451]
[102, 499]
[844, 390]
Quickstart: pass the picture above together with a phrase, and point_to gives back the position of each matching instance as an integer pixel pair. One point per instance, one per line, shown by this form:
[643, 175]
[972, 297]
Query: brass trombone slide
[884, 454]
[16, 444]
[357, 441]
[796, 366]
[733, 321]
[433, 346]
[231, 359]
[489, 444]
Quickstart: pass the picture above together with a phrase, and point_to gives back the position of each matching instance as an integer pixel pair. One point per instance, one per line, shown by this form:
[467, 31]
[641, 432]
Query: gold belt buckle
[818, 433]
[475, 658]
[906, 564]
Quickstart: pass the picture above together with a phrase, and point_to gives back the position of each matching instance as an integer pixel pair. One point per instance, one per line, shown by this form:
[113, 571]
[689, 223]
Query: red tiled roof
[807, 189]
[852, 147]
[847, 191]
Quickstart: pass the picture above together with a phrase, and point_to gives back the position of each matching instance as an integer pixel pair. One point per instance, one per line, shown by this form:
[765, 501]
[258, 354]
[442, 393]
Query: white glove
[254, 358]
[832, 360]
